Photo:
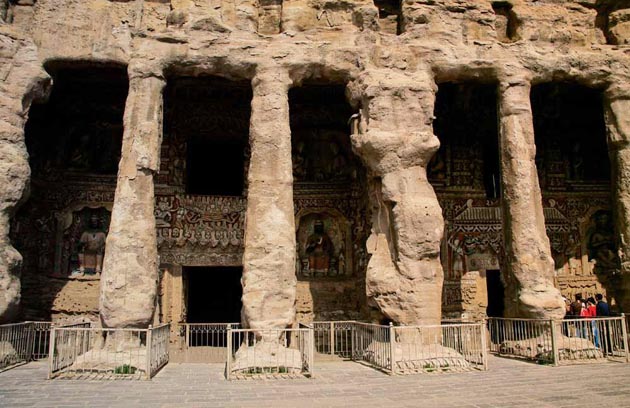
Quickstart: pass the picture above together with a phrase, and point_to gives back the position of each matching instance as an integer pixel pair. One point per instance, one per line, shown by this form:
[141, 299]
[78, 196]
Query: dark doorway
[467, 125]
[495, 294]
[206, 126]
[214, 294]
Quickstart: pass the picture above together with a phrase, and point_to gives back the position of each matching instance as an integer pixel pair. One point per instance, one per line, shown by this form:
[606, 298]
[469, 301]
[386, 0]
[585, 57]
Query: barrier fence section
[450, 347]
[105, 353]
[560, 341]
[206, 334]
[15, 344]
[334, 337]
[371, 344]
[23, 342]
[158, 348]
[269, 353]
[205, 342]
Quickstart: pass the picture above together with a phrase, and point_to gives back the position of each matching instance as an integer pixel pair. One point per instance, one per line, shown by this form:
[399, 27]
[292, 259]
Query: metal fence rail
[450, 347]
[371, 344]
[334, 337]
[102, 353]
[26, 341]
[158, 348]
[269, 353]
[205, 342]
[15, 344]
[560, 341]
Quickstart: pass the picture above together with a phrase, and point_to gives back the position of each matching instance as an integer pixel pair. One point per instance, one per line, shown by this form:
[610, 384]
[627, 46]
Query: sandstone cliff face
[391, 80]
[23, 80]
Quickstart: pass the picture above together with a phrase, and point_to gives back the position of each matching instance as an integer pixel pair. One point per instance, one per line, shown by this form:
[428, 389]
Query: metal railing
[205, 342]
[104, 353]
[450, 347]
[15, 344]
[23, 342]
[158, 342]
[371, 344]
[560, 341]
[334, 337]
[269, 353]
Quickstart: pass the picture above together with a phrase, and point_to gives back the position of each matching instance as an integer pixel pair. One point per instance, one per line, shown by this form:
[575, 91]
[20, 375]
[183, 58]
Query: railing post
[228, 363]
[311, 333]
[352, 334]
[392, 341]
[624, 332]
[554, 343]
[187, 336]
[332, 338]
[51, 352]
[149, 348]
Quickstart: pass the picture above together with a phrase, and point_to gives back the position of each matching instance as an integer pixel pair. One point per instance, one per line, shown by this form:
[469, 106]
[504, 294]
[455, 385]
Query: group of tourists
[591, 307]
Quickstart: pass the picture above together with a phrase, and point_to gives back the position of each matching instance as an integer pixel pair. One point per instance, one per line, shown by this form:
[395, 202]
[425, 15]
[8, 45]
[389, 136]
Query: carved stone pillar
[130, 267]
[528, 269]
[269, 281]
[395, 140]
[617, 108]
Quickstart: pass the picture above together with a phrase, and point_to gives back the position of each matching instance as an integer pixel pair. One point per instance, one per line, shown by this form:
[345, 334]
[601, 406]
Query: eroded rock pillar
[269, 281]
[617, 115]
[130, 266]
[395, 140]
[528, 268]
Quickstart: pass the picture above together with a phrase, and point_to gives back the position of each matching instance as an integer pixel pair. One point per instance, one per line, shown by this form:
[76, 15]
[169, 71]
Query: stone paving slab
[508, 383]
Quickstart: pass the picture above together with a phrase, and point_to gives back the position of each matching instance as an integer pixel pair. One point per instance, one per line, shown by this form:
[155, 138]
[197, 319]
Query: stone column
[269, 281]
[617, 109]
[395, 140]
[528, 268]
[130, 266]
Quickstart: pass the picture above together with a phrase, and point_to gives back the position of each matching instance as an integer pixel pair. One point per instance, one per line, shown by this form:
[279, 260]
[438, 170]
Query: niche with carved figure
[324, 245]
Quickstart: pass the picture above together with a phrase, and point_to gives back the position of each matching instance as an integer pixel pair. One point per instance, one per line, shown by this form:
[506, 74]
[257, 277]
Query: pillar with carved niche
[130, 266]
[269, 282]
[528, 268]
[617, 108]
[395, 140]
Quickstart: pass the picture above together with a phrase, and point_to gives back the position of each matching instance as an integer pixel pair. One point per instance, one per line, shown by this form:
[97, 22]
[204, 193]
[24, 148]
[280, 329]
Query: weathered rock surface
[130, 266]
[23, 80]
[269, 282]
[393, 83]
[396, 141]
[529, 276]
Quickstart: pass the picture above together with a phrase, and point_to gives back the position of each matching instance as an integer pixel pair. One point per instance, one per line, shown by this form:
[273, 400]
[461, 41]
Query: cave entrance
[330, 196]
[74, 143]
[214, 294]
[574, 172]
[496, 294]
[465, 174]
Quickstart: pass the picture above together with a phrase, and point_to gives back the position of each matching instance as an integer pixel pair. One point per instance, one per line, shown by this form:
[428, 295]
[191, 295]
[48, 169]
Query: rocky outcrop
[392, 82]
[22, 81]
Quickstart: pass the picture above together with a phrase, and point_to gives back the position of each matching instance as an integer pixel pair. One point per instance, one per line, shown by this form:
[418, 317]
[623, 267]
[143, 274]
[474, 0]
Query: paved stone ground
[508, 383]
